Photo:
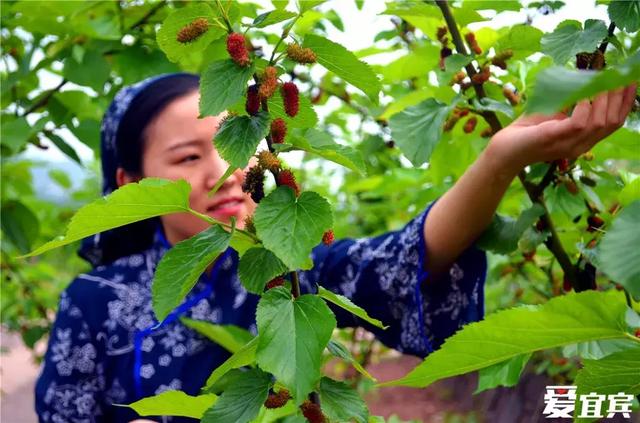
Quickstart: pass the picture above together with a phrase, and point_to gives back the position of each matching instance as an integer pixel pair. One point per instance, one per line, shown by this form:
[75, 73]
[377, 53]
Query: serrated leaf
[503, 233]
[626, 14]
[344, 64]
[174, 403]
[241, 401]
[340, 351]
[506, 373]
[342, 403]
[418, 129]
[230, 337]
[181, 267]
[222, 85]
[345, 303]
[290, 227]
[569, 38]
[595, 350]
[245, 356]
[130, 203]
[298, 330]
[257, 267]
[589, 315]
[272, 17]
[168, 32]
[306, 117]
[239, 136]
[619, 251]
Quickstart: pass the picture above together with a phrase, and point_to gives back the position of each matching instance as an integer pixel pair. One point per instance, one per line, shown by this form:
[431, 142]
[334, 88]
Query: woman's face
[179, 145]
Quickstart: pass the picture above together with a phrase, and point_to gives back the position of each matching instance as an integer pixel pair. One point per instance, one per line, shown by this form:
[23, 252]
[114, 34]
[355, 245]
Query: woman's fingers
[615, 107]
[627, 102]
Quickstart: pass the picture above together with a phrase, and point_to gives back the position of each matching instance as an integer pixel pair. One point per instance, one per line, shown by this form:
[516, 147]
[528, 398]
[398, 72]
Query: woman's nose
[217, 169]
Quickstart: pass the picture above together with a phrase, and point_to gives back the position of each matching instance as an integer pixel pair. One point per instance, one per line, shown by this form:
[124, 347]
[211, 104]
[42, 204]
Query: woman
[106, 347]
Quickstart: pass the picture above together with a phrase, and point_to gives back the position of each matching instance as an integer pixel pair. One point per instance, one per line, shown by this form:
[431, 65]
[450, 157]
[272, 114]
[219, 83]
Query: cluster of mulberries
[290, 98]
[254, 183]
[500, 59]
[279, 399]
[273, 283]
[300, 55]
[286, 178]
[237, 49]
[470, 37]
[593, 60]
[327, 237]
[312, 412]
[278, 130]
[192, 31]
[267, 160]
[514, 99]
[470, 125]
[482, 76]
[252, 105]
[268, 82]
[456, 115]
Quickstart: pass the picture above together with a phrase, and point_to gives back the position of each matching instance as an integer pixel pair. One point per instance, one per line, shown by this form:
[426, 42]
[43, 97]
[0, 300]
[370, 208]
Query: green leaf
[321, 144]
[503, 233]
[345, 303]
[595, 350]
[452, 64]
[626, 14]
[168, 32]
[15, 133]
[290, 227]
[306, 117]
[563, 320]
[523, 40]
[619, 250]
[557, 87]
[340, 351]
[93, 71]
[181, 267]
[568, 39]
[304, 5]
[297, 330]
[174, 403]
[19, 224]
[64, 147]
[493, 106]
[418, 129]
[130, 203]
[230, 337]
[222, 85]
[257, 267]
[243, 357]
[344, 64]
[342, 403]
[506, 373]
[411, 99]
[497, 5]
[415, 63]
[241, 401]
[272, 17]
[239, 136]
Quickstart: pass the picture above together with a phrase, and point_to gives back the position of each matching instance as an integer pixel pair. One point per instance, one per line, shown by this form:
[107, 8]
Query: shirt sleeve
[72, 377]
[385, 275]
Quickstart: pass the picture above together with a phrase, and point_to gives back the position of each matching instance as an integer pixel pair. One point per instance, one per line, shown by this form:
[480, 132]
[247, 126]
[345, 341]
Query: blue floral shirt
[102, 350]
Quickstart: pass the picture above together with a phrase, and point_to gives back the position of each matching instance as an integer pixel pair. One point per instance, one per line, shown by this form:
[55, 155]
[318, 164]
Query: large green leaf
[222, 85]
[174, 403]
[130, 203]
[181, 267]
[92, 71]
[272, 17]
[568, 39]
[241, 401]
[19, 224]
[167, 34]
[557, 87]
[341, 403]
[230, 337]
[290, 226]
[506, 373]
[245, 356]
[345, 303]
[564, 320]
[523, 40]
[239, 136]
[345, 64]
[619, 251]
[626, 14]
[292, 336]
[418, 129]
[321, 143]
[340, 351]
[257, 267]
[503, 233]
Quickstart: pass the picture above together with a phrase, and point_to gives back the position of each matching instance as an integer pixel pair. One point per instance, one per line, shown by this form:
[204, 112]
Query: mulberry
[253, 100]
[595, 222]
[451, 122]
[192, 31]
[249, 226]
[290, 98]
[441, 33]
[327, 237]
[566, 284]
[279, 399]
[278, 130]
[237, 49]
[312, 412]
[301, 55]
[286, 178]
[583, 60]
[513, 98]
[254, 183]
[500, 59]
[482, 76]
[473, 43]
[268, 160]
[444, 53]
[597, 61]
[268, 82]
[470, 125]
[563, 165]
[486, 133]
[458, 78]
[571, 186]
[273, 283]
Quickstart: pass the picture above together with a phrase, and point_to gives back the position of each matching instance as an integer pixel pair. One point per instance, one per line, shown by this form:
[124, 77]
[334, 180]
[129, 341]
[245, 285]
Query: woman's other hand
[537, 138]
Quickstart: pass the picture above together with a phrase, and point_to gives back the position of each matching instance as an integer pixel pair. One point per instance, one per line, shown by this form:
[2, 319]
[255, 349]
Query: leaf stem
[225, 17]
[295, 284]
[213, 221]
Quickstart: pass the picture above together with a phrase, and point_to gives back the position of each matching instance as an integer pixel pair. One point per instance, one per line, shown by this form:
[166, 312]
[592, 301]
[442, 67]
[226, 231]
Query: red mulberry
[237, 48]
[268, 160]
[470, 125]
[301, 55]
[327, 237]
[192, 31]
[290, 98]
[286, 178]
[595, 222]
[278, 130]
[279, 399]
[440, 34]
[275, 282]
[268, 82]
[253, 100]
[513, 98]
[312, 412]
[473, 44]
[482, 76]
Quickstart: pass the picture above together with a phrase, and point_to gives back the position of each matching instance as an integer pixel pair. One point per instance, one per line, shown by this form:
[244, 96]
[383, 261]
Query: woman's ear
[123, 178]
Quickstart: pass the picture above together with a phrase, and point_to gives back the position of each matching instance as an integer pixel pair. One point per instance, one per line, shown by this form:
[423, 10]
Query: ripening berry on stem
[237, 49]
[473, 43]
[458, 78]
[286, 178]
[513, 98]
[327, 237]
[440, 34]
[273, 283]
[279, 399]
[595, 222]
[470, 125]
[268, 82]
[192, 31]
[563, 165]
[481, 77]
[300, 55]
[450, 123]
[278, 130]
[290, 98]
[248, 224]
[268, 160]
[312, 412]
[252, 105]
[571, 186]
[254, 183]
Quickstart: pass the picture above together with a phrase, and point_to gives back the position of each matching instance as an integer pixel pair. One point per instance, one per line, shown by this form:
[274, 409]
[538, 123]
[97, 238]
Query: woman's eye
[189, 158]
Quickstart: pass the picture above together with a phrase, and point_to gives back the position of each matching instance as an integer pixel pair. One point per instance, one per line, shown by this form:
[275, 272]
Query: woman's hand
[536, 138]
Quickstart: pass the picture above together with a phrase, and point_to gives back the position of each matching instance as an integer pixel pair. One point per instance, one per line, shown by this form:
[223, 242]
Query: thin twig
[45, 99]
[149, 14]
